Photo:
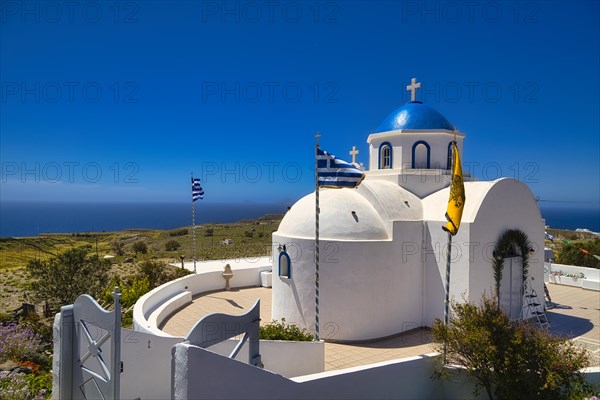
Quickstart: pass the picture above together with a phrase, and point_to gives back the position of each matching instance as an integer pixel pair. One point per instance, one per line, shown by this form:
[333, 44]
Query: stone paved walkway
[577, 316]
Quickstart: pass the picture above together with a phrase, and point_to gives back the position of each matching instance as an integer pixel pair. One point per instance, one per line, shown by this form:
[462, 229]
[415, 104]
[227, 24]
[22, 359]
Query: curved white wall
[196, 283]
[368, 289]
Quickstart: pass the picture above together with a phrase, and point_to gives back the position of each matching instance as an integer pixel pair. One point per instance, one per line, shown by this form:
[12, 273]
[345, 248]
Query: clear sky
[120, 101]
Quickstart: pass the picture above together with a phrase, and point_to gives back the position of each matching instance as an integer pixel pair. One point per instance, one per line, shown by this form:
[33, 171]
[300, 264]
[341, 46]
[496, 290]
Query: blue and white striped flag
[549, 236]
[335, 173]
[197, 191]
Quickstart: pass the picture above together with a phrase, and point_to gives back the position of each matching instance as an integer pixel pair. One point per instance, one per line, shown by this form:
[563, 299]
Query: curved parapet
[157, 305]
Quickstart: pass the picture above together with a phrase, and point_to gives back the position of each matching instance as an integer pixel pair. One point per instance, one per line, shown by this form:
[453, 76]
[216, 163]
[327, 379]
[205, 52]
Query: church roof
[365, 213]
[415, 115]
[345, 215]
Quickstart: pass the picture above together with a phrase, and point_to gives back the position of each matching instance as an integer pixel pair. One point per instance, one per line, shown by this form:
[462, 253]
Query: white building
[383, 252]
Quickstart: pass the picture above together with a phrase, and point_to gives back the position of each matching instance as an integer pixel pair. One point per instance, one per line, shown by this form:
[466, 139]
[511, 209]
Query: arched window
[285, 264]
[420, 155]
[385, 156]
[449, 159]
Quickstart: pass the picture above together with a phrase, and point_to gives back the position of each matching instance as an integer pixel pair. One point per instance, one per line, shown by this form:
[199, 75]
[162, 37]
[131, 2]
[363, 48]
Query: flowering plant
[574, 276]
[18, 341]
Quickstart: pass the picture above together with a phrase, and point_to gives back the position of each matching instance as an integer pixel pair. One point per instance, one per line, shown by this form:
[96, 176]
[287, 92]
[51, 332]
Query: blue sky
[120, 101]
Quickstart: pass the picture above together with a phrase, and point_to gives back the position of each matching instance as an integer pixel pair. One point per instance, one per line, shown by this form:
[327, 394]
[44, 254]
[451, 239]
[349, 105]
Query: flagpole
[317, 211]
[448, 257]
[194, 225]
[447, 286]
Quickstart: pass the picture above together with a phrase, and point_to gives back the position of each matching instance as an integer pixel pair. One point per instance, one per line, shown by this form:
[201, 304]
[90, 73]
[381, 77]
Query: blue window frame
[414, 151]
[285, 264]
[385, 155]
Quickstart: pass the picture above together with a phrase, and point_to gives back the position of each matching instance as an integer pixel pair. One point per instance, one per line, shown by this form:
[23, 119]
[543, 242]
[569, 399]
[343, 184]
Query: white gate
[89, 344]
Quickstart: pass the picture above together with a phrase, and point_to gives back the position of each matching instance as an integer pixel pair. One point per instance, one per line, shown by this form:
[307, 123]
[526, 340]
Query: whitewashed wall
[368, 289]
[289, 359]
[146, 365]
[402, 143]
[200, 374]
[491, 209]
[591, 280]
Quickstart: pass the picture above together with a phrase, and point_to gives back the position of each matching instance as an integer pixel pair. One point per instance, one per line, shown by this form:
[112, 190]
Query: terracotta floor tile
[577, 315]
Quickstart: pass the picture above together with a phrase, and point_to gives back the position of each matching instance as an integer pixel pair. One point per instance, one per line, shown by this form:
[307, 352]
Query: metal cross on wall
[412, 88]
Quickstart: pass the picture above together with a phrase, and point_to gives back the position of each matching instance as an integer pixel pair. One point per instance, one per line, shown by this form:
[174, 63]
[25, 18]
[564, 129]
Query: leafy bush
[139, 247]
[172, 245]
[179, 232]
[176, 273]
[127, 319]
[131, 293]
[510, 359]
[282, 331]
[571, 256]
[154, 271]
[118, 248]
[63, 278]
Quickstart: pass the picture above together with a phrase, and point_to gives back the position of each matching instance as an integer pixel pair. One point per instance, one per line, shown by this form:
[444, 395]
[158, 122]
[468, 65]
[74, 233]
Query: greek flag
[197, 191]
[335, 173]
[549, 236]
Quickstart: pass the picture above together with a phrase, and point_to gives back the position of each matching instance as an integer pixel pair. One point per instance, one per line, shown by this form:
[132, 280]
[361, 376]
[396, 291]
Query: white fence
[157, 305]
[557, 273]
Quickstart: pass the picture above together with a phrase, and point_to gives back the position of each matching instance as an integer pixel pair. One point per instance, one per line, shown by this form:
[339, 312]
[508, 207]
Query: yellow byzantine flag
[456, 202]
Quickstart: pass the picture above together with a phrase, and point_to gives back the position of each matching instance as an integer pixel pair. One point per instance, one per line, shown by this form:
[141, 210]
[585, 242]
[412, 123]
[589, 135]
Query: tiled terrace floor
[577, 315]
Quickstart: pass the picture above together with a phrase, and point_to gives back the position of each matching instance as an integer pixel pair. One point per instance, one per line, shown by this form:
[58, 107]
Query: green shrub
[172, 245]
[154, 271]
[510, 359]
[176, 273]
[570, 255]
[63, 278]
[131, 293]
[127, 319]
[282, 331]
[139, 247]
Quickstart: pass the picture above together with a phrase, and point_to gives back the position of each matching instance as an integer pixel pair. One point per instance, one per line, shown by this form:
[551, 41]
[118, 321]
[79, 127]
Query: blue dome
[414, 115]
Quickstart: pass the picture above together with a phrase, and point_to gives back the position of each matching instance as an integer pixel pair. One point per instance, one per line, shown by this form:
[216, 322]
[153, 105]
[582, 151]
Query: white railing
[571, 275]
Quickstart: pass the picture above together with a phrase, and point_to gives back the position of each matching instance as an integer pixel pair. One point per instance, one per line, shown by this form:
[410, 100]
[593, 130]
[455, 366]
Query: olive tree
[61, 279]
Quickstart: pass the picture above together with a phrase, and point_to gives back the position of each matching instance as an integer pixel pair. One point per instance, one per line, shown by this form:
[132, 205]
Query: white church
[382, 272]
[382, 248]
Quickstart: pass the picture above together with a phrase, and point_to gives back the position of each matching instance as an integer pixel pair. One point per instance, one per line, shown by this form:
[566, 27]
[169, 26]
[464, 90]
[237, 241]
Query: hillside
[249, 237]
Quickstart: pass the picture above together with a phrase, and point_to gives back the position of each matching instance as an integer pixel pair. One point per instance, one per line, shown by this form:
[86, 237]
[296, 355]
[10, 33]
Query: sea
[30, 219]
